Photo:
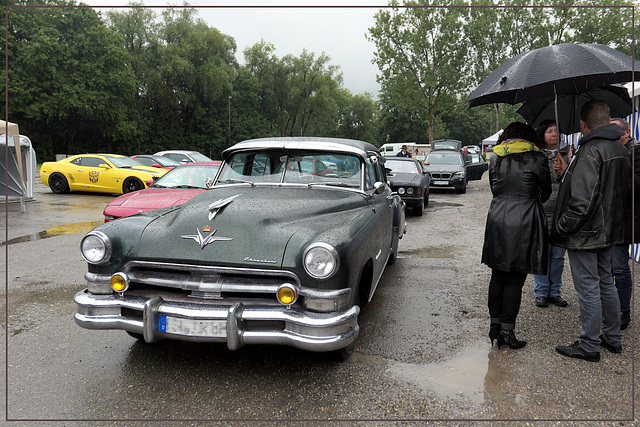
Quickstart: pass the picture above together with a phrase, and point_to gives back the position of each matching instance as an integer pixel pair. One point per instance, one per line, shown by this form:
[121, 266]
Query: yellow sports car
[103, 173]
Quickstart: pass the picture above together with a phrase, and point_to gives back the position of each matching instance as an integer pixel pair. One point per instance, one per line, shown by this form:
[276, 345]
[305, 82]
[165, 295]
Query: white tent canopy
[493, 139]
[18, 160]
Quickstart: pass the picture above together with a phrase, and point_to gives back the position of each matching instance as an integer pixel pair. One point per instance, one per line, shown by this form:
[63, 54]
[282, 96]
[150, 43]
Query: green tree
[421, 46]
[68, 80]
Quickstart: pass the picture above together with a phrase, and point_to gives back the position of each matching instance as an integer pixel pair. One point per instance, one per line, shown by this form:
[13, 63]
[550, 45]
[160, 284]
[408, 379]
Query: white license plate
[193, 327]
[440, 182]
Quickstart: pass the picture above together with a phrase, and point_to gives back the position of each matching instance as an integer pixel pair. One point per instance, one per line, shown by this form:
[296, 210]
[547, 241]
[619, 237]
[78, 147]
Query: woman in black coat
[515, 239]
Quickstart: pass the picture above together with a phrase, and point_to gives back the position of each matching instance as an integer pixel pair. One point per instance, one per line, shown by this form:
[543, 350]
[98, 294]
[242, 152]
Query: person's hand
[559, 165]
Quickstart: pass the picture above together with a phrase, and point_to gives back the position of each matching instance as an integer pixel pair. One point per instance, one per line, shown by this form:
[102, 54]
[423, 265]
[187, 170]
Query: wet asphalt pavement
[423, 354]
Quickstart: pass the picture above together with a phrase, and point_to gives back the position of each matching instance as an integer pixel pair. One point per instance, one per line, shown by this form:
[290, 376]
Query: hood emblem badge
[217, 206]
[204, 241]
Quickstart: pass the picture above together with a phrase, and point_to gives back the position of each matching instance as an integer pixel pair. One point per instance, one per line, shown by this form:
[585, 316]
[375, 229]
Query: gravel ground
[423, 355]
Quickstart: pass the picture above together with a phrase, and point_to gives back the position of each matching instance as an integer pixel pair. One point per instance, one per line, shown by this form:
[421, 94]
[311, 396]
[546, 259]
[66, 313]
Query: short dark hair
[520, 130]
[543, 126]
[595, 113]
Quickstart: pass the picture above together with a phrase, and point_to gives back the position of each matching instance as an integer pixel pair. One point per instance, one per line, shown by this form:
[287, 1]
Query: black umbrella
[560, 69]
[535, 111]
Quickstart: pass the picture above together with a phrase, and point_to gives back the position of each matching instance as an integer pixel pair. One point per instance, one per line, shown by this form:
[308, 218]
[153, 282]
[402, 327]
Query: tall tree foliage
[421, 45]
[68, 79]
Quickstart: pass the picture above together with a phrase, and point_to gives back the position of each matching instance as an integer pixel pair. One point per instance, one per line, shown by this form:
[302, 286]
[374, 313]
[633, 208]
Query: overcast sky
[337, 31]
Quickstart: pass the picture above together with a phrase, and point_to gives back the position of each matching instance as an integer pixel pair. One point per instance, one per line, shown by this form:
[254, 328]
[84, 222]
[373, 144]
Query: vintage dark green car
[285, 248]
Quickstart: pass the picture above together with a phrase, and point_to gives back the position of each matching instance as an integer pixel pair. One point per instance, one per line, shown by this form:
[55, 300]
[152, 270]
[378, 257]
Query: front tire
[58, 183]
[345, 352]
[418, 209]
[131, 184]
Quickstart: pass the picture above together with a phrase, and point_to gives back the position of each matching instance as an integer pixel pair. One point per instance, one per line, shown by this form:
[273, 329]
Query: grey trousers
[597, 296]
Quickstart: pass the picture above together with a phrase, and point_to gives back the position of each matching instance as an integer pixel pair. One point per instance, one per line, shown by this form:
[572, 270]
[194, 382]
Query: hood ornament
[204, 241]
[217, 206]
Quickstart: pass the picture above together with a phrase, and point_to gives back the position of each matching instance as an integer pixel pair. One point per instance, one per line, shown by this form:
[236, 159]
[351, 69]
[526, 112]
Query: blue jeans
[548, 285]
[597, 296]
[622, 275]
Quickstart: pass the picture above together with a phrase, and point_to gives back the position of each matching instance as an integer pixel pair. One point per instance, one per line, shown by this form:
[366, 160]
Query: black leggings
[505, 294]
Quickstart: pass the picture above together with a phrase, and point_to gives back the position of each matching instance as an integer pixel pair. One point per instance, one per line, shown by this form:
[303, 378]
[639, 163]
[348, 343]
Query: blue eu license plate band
[193, 327]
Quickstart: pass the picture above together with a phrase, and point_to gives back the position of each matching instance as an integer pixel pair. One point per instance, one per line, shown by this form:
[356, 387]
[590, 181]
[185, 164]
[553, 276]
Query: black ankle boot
[494, 331]
[509, 338]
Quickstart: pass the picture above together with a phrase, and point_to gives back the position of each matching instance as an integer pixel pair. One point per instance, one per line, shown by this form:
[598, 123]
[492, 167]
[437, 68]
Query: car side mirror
[379, 187]
[104, 166]
[149, 182]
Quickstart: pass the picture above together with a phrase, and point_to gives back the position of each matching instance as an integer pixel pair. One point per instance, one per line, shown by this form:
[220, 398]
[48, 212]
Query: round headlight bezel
[321, 249]
[401, 190]
[101, 239]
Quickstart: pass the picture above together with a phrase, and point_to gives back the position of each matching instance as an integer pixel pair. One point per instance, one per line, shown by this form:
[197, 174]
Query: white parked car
[184, 156]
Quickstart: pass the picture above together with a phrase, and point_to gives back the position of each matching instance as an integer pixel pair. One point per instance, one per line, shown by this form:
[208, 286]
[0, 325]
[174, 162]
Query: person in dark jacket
[620, 253]
[516, 235]
[588, 220]
[403, 152]
[546, 287]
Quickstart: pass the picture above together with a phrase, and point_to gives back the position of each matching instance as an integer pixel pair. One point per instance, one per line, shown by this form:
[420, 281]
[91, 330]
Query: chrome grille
[207, 281]
[440, 175]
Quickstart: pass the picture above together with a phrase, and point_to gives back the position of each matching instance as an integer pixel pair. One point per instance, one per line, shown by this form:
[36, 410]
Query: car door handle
[80, 170]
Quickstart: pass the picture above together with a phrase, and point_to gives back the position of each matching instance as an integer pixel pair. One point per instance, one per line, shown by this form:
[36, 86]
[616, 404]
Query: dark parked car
[274, 253]
[446, 144]
[449, 168]
[407, 177]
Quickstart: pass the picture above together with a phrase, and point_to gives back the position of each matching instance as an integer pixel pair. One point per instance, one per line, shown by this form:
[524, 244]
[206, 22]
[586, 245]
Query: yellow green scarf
[513, 146]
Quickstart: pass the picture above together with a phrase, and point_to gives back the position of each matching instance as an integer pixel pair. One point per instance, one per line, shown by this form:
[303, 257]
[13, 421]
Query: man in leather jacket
[587, 221]
[620, 253]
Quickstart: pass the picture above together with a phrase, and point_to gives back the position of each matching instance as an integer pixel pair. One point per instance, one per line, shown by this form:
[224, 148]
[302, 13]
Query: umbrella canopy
[535, 111]
[560, 69]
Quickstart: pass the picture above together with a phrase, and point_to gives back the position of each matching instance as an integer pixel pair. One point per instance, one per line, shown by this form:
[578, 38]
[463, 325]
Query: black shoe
[541, 302]
[509, 338]
[617, 349]
[575, 350]
[559, 301]
[625, 319]
[494, 330]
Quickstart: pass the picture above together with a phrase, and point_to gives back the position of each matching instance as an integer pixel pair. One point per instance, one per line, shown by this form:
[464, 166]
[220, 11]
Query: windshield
[292, 167]
[123, 162]
[199, 157]
[186, 176]
[401, 167]
[444, 158]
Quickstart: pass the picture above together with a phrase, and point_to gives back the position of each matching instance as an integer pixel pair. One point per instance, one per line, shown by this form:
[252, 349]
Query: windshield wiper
[335, 184]
[237, 181]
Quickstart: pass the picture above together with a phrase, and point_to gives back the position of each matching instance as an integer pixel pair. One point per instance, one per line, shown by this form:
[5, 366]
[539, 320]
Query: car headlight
[321, 260]
[400, 190]
[96, 247]
[459, 174]
[409, 191]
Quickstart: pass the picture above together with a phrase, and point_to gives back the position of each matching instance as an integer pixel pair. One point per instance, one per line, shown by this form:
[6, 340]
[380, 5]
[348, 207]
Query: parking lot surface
[423, 353]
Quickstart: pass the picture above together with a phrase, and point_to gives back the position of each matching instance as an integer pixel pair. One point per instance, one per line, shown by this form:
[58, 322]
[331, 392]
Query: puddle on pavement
[439, 252]
[29, 302]
[58, 230]
[462, 376]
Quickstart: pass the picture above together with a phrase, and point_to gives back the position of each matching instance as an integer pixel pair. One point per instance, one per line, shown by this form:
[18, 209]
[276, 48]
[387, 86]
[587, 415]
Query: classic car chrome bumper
[236, 324]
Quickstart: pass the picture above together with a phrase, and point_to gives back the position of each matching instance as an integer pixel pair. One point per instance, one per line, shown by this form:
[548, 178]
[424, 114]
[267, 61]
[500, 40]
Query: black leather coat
[516, 232]
[633, 148]
[589, 213]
